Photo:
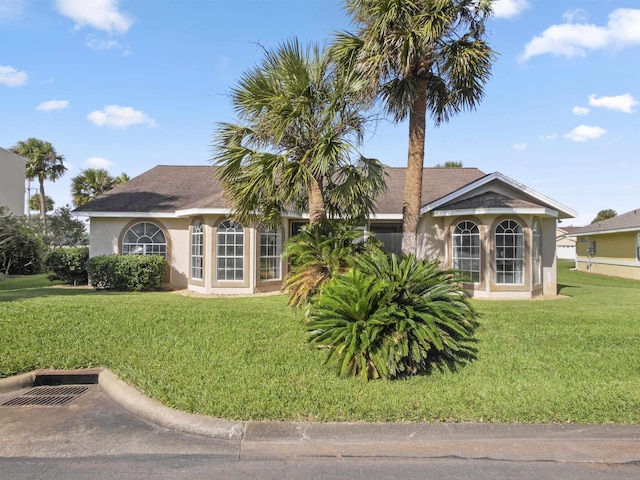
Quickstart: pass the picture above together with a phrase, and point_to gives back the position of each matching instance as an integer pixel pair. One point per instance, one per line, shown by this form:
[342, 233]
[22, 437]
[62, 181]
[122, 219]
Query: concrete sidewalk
[112, 418]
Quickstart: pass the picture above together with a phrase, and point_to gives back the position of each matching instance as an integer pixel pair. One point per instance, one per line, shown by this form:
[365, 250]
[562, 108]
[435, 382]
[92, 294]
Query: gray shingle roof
[168, 188]
[625, 221]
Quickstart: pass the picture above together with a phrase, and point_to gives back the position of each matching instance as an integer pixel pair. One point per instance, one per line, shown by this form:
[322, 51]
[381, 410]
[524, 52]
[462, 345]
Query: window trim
[238, 231]
[536, 252]
[129, 227]
[456, 248]
[520, 260]
[276, 259]
[197, 223]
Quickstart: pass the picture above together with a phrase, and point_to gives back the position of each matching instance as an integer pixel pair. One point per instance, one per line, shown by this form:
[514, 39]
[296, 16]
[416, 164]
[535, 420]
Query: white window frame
[230, 252]
[466, 248]
[509, 252]
[144, 238]
[270, 264]
[197, 250]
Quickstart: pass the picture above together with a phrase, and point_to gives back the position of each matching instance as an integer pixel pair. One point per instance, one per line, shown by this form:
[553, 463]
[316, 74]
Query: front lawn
[574, 359]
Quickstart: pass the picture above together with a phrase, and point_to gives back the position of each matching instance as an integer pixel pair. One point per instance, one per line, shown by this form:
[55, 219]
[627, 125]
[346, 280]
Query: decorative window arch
[536, 253]
[509, 251]
[270, 254]
[466, 250]
[230, 252]
[197, 250]
[144, 238]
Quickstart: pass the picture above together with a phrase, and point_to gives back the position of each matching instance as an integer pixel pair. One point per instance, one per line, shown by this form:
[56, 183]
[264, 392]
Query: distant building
[12, 178]
[565, 243]
[610, 247]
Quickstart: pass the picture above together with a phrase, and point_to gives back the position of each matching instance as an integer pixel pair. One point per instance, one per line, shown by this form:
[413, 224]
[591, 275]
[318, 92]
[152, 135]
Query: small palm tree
[43, 163]
[419, 56]
[299, 126]
[34, 203]
[92, 182]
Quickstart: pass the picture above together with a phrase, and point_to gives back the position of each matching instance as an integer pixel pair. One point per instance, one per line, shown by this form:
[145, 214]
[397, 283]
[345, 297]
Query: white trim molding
[125, 214]
[496, 211]
[620, 263]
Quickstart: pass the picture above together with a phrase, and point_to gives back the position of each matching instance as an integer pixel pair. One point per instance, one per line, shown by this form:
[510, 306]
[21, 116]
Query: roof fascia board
[190, 212]
[504, 179]
[125, 214]
[496, 211]
[601, 232]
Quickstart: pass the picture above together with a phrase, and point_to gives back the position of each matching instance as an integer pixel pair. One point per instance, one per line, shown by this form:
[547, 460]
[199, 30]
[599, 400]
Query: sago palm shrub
[317, 254]
[390, 318]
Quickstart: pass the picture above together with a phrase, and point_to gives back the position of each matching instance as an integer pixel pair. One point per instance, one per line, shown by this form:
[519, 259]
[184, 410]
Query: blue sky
[130, 84]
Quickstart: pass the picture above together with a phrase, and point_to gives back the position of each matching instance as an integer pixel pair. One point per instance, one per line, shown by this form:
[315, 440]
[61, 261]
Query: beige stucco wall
[12, 182]
[435, 241]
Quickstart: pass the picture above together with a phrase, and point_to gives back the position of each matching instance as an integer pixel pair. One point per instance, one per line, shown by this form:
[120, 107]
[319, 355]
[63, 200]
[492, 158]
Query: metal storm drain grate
[48, 396]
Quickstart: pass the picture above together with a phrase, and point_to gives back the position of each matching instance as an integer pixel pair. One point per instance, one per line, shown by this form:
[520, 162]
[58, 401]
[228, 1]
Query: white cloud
[97, 162]
[622, 103]
[509, 8]
[115, 116]
[577, 110]
[51, 105]
[551, 136]
[11, 77]
[97, 44]
[582, 133]
[12, 8]
[575, 39]
[575, 15]
[520, 146]
[99, 14]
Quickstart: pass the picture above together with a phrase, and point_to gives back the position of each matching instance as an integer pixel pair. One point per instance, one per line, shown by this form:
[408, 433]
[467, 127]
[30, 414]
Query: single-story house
[12, 181]
[565, 243]
[501, 233]
[610, 247]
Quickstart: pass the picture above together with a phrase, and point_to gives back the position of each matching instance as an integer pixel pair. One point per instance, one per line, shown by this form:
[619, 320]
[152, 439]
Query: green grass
[574, 359]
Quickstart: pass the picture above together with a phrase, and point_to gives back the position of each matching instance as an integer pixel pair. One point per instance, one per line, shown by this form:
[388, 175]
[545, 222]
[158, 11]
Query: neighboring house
[499, 232]
[611, 247]
[12, 180]
[565, 243]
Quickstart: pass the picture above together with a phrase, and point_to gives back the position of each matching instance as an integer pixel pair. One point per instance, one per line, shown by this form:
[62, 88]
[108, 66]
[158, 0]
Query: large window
[230, 252]
[144, 238]
[536, 253]
[390, 234]
[197, 250]
[466, 250]
[509, 253]
[270, 254]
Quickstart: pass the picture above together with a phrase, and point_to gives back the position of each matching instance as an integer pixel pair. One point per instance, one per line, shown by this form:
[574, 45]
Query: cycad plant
[390, 318]
[317, 254]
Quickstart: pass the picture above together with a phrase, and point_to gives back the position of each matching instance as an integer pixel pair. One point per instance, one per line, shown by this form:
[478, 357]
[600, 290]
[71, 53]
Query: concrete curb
[138, 404]
[17, 382]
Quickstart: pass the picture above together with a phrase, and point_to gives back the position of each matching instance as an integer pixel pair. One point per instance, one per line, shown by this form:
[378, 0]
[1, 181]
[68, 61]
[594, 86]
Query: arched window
[197, 250]
[270, 254]
[144, 238]
[509, 250]
[466, 250]
[230, 252]
[536, 253]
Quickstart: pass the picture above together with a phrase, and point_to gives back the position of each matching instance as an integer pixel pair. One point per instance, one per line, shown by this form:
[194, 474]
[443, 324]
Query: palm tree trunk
[317, 210]
[43, 208]
[415, 162]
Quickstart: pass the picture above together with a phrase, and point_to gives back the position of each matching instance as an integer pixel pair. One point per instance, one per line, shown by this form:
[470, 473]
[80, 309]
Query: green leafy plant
[68, 264]
[317, 254]
[20, 247]
[390, 318]
[127, 272]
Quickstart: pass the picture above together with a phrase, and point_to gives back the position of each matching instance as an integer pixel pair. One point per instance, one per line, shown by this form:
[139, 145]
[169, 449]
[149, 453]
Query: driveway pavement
[111, 418]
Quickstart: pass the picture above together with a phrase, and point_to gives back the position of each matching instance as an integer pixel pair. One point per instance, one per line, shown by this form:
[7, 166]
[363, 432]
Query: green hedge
[127, 272]
[68, 264]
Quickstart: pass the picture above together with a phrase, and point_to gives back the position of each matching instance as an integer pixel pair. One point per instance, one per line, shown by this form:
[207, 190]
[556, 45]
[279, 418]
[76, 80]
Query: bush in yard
[20, 247]
[68, 264]
[127, 272]
[317, 254]
[390, 318]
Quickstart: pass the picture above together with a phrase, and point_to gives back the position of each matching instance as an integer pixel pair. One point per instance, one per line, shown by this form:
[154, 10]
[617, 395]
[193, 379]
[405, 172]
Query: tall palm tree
[43, 163]
[299, 125]
[420, 56]
[91, 182]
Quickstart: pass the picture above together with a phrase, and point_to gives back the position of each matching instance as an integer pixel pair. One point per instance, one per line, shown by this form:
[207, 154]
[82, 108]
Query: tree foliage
[34, 203]
[418, 56]
[68, 264]
[390, 318]
[92, 182]
[604, 215]
[294, 146]
[43, 163]
[449, 164]
[20, 247]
